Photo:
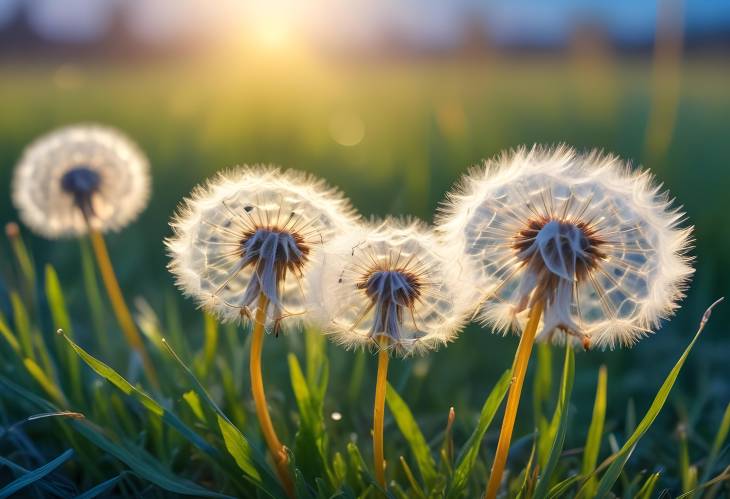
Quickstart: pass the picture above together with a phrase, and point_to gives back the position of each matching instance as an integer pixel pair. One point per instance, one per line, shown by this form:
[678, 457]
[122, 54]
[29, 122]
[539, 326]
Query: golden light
[273, 33]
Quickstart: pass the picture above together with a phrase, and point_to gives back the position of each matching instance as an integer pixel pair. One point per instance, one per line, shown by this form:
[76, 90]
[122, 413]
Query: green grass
[424, 124]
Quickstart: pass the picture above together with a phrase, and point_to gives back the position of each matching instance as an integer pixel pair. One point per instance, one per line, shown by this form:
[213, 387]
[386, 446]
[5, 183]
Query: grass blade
[239, 448]
[619, 459]
[561, 417]
[101, 488]
[138, 460]
[543, 381]
[141, 463]
[646, 490]
[717, 444]
[150, 404]
[22, 255]
[194, 403]
[310, 439]
[411, 431]
[560, 489]
[35, 475]
[48, 384]
[595, 432]
[22, 325]
[210, 345]
[236, 443]
[468, 455]
[416, 489]
[61, 320]
[7, 333]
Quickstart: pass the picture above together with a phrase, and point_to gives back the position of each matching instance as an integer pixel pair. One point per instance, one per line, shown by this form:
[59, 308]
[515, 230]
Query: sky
[435, 22]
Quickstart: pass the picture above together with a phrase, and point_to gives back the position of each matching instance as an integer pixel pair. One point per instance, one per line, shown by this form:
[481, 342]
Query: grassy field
[394, 136]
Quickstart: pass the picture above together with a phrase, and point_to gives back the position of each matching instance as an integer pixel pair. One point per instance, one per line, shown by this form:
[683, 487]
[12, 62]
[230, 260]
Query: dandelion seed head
[80, 176]
[599, 244]
[388, 281]
[250, 231]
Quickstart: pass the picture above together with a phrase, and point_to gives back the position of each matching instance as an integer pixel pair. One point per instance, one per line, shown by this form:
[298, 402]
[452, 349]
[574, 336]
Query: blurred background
[392, 101]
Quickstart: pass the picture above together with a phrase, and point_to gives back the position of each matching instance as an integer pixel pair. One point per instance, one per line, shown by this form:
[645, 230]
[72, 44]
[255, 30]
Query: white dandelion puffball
[597, 243]
[388, 281]
[250, 232]
[80, 177]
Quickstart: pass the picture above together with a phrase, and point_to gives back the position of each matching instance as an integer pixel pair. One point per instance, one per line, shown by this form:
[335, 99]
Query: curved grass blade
[61, 320]
[310, 438]
[138, 460]
[150, 404]
[35, 475]
[717, 444]
[646, 490]
[210, 345]
[542, 393]
[194, 403]
[595, 432]
[22, 325]
[619, 459]
[468, 454]
[239, 448]
[561, 417]
[48, 384]
[412, 433]
[141, 463]
[22, 255]
[714, 483]
[46, 487]
[416, 489]
[7, 333]
[247, 459]
[524, 490]
[35, 417]
[560, 489]
[102, 488]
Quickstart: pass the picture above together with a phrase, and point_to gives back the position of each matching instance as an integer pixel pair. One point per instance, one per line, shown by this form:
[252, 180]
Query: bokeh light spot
[347, 128]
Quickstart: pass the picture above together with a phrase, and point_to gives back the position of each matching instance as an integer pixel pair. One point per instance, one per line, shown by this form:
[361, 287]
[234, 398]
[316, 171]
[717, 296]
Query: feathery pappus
[599, 244]
[253, 231]
[80, 177]
[388, 285]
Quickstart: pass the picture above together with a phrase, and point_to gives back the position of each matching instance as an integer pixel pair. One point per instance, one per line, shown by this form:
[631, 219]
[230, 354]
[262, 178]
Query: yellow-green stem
[519, 368]
[259, 396]
[121, 311]
[379, 414]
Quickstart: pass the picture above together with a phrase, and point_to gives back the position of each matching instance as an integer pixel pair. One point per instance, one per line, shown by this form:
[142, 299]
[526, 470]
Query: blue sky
[426, 21]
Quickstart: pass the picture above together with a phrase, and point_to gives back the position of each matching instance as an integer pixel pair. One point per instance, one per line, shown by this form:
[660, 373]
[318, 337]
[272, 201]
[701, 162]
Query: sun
[273, 33]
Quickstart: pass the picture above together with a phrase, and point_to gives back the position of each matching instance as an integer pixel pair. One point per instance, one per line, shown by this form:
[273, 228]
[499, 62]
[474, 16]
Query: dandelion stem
[121, 311]
[379, 414]
[259, 396]
[519, 368]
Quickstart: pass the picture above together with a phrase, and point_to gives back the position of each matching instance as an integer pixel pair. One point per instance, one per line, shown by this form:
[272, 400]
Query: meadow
[394, 136]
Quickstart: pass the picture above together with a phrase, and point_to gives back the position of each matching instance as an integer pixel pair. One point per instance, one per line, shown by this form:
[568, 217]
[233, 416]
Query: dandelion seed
[242, 248]
[575, 246]
[387, 286]
[86, 179]
[250, 232]
[598, 244]
[78, 178]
